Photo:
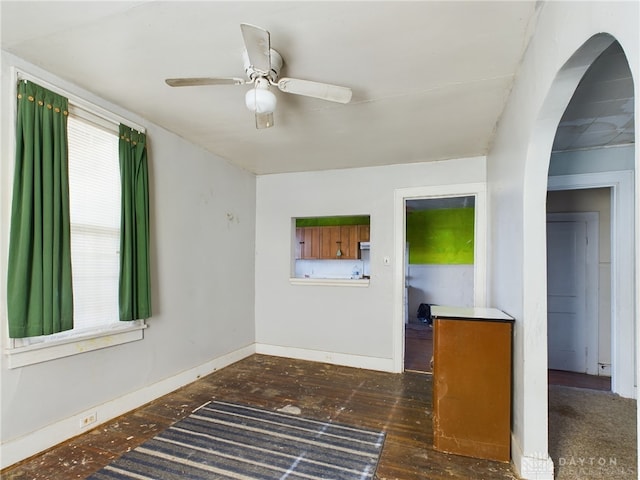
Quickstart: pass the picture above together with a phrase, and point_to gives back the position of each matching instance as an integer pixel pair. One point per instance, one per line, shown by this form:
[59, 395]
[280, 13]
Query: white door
[570, 313]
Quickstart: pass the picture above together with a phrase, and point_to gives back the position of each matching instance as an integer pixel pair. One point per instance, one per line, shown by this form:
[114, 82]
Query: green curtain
[39, 289]
[135, 281]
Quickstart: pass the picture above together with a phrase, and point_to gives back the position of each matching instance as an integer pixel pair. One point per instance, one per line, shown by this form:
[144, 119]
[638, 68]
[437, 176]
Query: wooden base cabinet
[472, 382]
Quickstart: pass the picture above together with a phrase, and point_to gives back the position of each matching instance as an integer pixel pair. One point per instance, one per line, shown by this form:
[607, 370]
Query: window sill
[46, 351]
[334, 282]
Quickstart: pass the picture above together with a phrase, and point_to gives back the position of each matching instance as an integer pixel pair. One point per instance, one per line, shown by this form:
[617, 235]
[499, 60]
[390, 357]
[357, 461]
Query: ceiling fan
[262, 65]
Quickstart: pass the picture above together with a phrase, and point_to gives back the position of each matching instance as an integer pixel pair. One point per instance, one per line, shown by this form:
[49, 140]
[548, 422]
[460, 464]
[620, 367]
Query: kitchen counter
[332, 282]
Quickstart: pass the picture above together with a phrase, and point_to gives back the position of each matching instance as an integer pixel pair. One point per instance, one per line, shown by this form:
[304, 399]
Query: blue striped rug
[222, 440]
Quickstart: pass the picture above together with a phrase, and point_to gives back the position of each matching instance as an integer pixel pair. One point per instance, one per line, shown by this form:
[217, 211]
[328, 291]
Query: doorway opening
[579, 288]
[440, 235]
[439, 268]
[591, 169]
[591, 325]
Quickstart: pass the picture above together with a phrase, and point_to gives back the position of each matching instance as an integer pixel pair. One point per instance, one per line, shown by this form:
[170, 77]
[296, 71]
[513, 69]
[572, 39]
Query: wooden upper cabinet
[308, 242]
[325, 242]
[299, 242]
[343, 239]
[330, 242]
[363, 233]
[349, 241]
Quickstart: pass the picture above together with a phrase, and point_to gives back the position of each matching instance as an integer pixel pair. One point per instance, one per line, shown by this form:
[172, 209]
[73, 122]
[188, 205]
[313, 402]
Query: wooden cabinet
[329, 242]
[325, 242]
[308, 242]
[339, 242]
[349, 241]
[363, 233]
[472, 382]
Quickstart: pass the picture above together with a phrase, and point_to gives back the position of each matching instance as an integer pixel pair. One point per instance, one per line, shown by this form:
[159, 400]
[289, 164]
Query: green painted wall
[443, 237]
[329, 221]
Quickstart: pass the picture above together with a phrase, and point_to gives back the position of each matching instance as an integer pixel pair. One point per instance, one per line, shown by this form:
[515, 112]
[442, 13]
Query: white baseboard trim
[33, 443]
[533, 467]
[346, 360]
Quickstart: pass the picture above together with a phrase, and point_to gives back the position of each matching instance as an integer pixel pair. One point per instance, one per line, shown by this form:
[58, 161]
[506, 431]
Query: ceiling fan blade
[264, 120]
[324, 91]
[257, 41]
[196, 82]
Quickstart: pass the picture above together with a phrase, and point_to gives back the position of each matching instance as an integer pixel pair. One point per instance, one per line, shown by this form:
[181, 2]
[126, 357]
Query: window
[331, 249]
[94, 202]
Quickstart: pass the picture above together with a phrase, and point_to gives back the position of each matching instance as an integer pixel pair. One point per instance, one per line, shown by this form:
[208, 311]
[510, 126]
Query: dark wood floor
[419, 349]
[399, 404]
[579, 380]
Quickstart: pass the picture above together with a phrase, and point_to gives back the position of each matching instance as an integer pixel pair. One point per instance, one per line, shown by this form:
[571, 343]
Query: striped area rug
[224, 440]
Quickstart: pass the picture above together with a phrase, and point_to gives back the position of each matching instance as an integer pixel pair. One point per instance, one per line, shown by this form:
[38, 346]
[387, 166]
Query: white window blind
[94, 197]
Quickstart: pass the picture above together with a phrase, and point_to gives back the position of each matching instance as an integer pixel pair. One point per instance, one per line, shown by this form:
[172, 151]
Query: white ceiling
[429, 79]
[601, 110]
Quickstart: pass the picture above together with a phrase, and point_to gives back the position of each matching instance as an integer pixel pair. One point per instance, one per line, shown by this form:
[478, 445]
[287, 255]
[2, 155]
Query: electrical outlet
[88, 419]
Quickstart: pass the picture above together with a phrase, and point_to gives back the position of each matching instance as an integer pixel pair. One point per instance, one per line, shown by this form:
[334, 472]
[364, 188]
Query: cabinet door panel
[312, 242]
[330, 242]
[308, 242]
[349, 241]
[363, 233]
[299, 242]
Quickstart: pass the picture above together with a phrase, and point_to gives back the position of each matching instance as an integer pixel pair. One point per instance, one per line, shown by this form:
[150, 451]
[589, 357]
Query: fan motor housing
[276, 66]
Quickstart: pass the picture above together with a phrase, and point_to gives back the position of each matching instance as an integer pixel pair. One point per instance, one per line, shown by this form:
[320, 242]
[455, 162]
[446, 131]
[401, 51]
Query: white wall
[439, 285]
[517, 176]
[329, 268]
[202, 279]
[618, 158]
[348, 325]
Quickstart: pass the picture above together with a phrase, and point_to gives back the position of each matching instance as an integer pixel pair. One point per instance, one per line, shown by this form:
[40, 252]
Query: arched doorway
[590, 320]
[531, 393]
[591, 169]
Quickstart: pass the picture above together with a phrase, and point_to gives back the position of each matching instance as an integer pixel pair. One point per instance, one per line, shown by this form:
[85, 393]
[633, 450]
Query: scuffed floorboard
[400, 404]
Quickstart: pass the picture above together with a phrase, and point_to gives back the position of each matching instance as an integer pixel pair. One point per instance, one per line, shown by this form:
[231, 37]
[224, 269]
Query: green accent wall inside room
[441, 237]
[332, 221]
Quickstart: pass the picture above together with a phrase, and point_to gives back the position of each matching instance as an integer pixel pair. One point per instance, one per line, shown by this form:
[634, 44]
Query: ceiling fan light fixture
[262, 66]
[260, 99]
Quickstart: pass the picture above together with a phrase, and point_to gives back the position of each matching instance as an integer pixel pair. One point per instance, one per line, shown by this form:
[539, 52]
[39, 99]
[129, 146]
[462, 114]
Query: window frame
[334, 279]
[20, 352]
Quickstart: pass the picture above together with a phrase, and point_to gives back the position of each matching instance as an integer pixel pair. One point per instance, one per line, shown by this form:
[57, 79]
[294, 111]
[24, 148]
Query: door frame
[623, 334]
[401, 195]
[591, 281]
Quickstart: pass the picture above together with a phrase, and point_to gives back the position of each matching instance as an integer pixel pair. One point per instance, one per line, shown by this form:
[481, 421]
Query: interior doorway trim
[401, 195]
[623, 381]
